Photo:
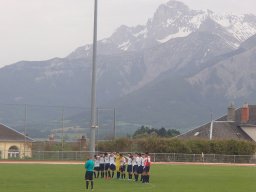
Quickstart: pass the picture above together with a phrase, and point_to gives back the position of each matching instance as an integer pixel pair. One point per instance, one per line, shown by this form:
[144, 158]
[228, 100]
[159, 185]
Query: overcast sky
[43, 29]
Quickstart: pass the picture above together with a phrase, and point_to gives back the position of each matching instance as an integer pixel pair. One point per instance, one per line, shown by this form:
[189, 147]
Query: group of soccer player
[133, 165]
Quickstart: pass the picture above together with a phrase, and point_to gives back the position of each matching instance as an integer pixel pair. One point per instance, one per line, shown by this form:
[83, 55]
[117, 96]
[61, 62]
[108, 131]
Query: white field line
[43, 162]
[209, 164]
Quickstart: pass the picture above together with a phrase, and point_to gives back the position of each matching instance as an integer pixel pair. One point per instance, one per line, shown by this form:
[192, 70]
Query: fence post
[154, 157]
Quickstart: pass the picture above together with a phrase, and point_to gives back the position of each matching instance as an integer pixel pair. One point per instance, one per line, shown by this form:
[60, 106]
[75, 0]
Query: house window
[13, 152]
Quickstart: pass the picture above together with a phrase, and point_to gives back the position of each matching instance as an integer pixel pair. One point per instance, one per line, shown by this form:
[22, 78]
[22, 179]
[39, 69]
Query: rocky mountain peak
[173, 20]
[177, 5]
[171, 9]
[122, 33]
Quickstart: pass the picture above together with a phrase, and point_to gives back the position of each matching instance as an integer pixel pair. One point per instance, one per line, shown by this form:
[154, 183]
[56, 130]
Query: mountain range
[175, 71]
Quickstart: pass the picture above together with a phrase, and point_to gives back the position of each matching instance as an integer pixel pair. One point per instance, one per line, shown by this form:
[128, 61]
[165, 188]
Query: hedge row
[160, 145]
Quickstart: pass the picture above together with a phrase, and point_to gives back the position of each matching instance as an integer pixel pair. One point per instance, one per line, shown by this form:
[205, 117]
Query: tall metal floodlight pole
[25, 131]
[93, 91]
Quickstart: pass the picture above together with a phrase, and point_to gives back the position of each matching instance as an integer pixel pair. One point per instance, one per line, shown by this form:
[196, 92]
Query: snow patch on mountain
[104, 41]
[206, 53]
[236, 25]
[125, 45]
[243, 31]
[198, 19]
[87, 47]
[142, 33]
[183, 32]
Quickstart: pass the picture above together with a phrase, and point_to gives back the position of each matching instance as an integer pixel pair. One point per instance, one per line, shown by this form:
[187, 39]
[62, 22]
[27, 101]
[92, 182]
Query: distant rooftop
[223, 128]
[9, 134]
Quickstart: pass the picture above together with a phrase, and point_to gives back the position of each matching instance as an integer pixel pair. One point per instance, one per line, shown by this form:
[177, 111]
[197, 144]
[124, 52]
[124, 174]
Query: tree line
[145, 131]
[173, 145]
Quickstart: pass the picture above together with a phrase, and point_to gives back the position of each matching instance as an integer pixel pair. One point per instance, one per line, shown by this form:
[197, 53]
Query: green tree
[162, 132]
[172, 132]
[144, 131]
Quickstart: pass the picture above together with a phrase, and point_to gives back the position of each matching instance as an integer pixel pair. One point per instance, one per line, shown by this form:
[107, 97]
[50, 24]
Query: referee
[89, 166]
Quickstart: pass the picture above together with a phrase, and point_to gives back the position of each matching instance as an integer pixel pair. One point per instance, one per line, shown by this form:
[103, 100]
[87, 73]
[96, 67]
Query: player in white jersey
[112, 163]
[140, 165]
[138, 162]
[102, 163]
[135, 166]
[107, 166]
[146, 168]
[96, 166]
[122, 167]
[129, 166]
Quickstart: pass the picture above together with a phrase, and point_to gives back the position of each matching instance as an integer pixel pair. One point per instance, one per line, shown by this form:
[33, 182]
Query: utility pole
[25, 131]
[62, 128]
[98, 126]
[114, 124]
[93, 88]
[211, 126]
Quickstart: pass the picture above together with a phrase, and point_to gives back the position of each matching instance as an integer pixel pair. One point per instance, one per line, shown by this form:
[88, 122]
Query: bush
[155, 144]
[122, 144]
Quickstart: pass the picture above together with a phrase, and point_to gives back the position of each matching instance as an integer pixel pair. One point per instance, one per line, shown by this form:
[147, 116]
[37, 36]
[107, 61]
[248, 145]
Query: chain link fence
[60, 155]
[206, 158]
[155, 157]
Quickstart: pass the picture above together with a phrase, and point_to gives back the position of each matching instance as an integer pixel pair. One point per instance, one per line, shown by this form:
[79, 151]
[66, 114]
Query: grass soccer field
[176, 178]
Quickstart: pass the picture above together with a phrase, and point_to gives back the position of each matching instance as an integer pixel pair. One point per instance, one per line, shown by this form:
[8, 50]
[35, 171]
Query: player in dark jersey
[89, 166]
